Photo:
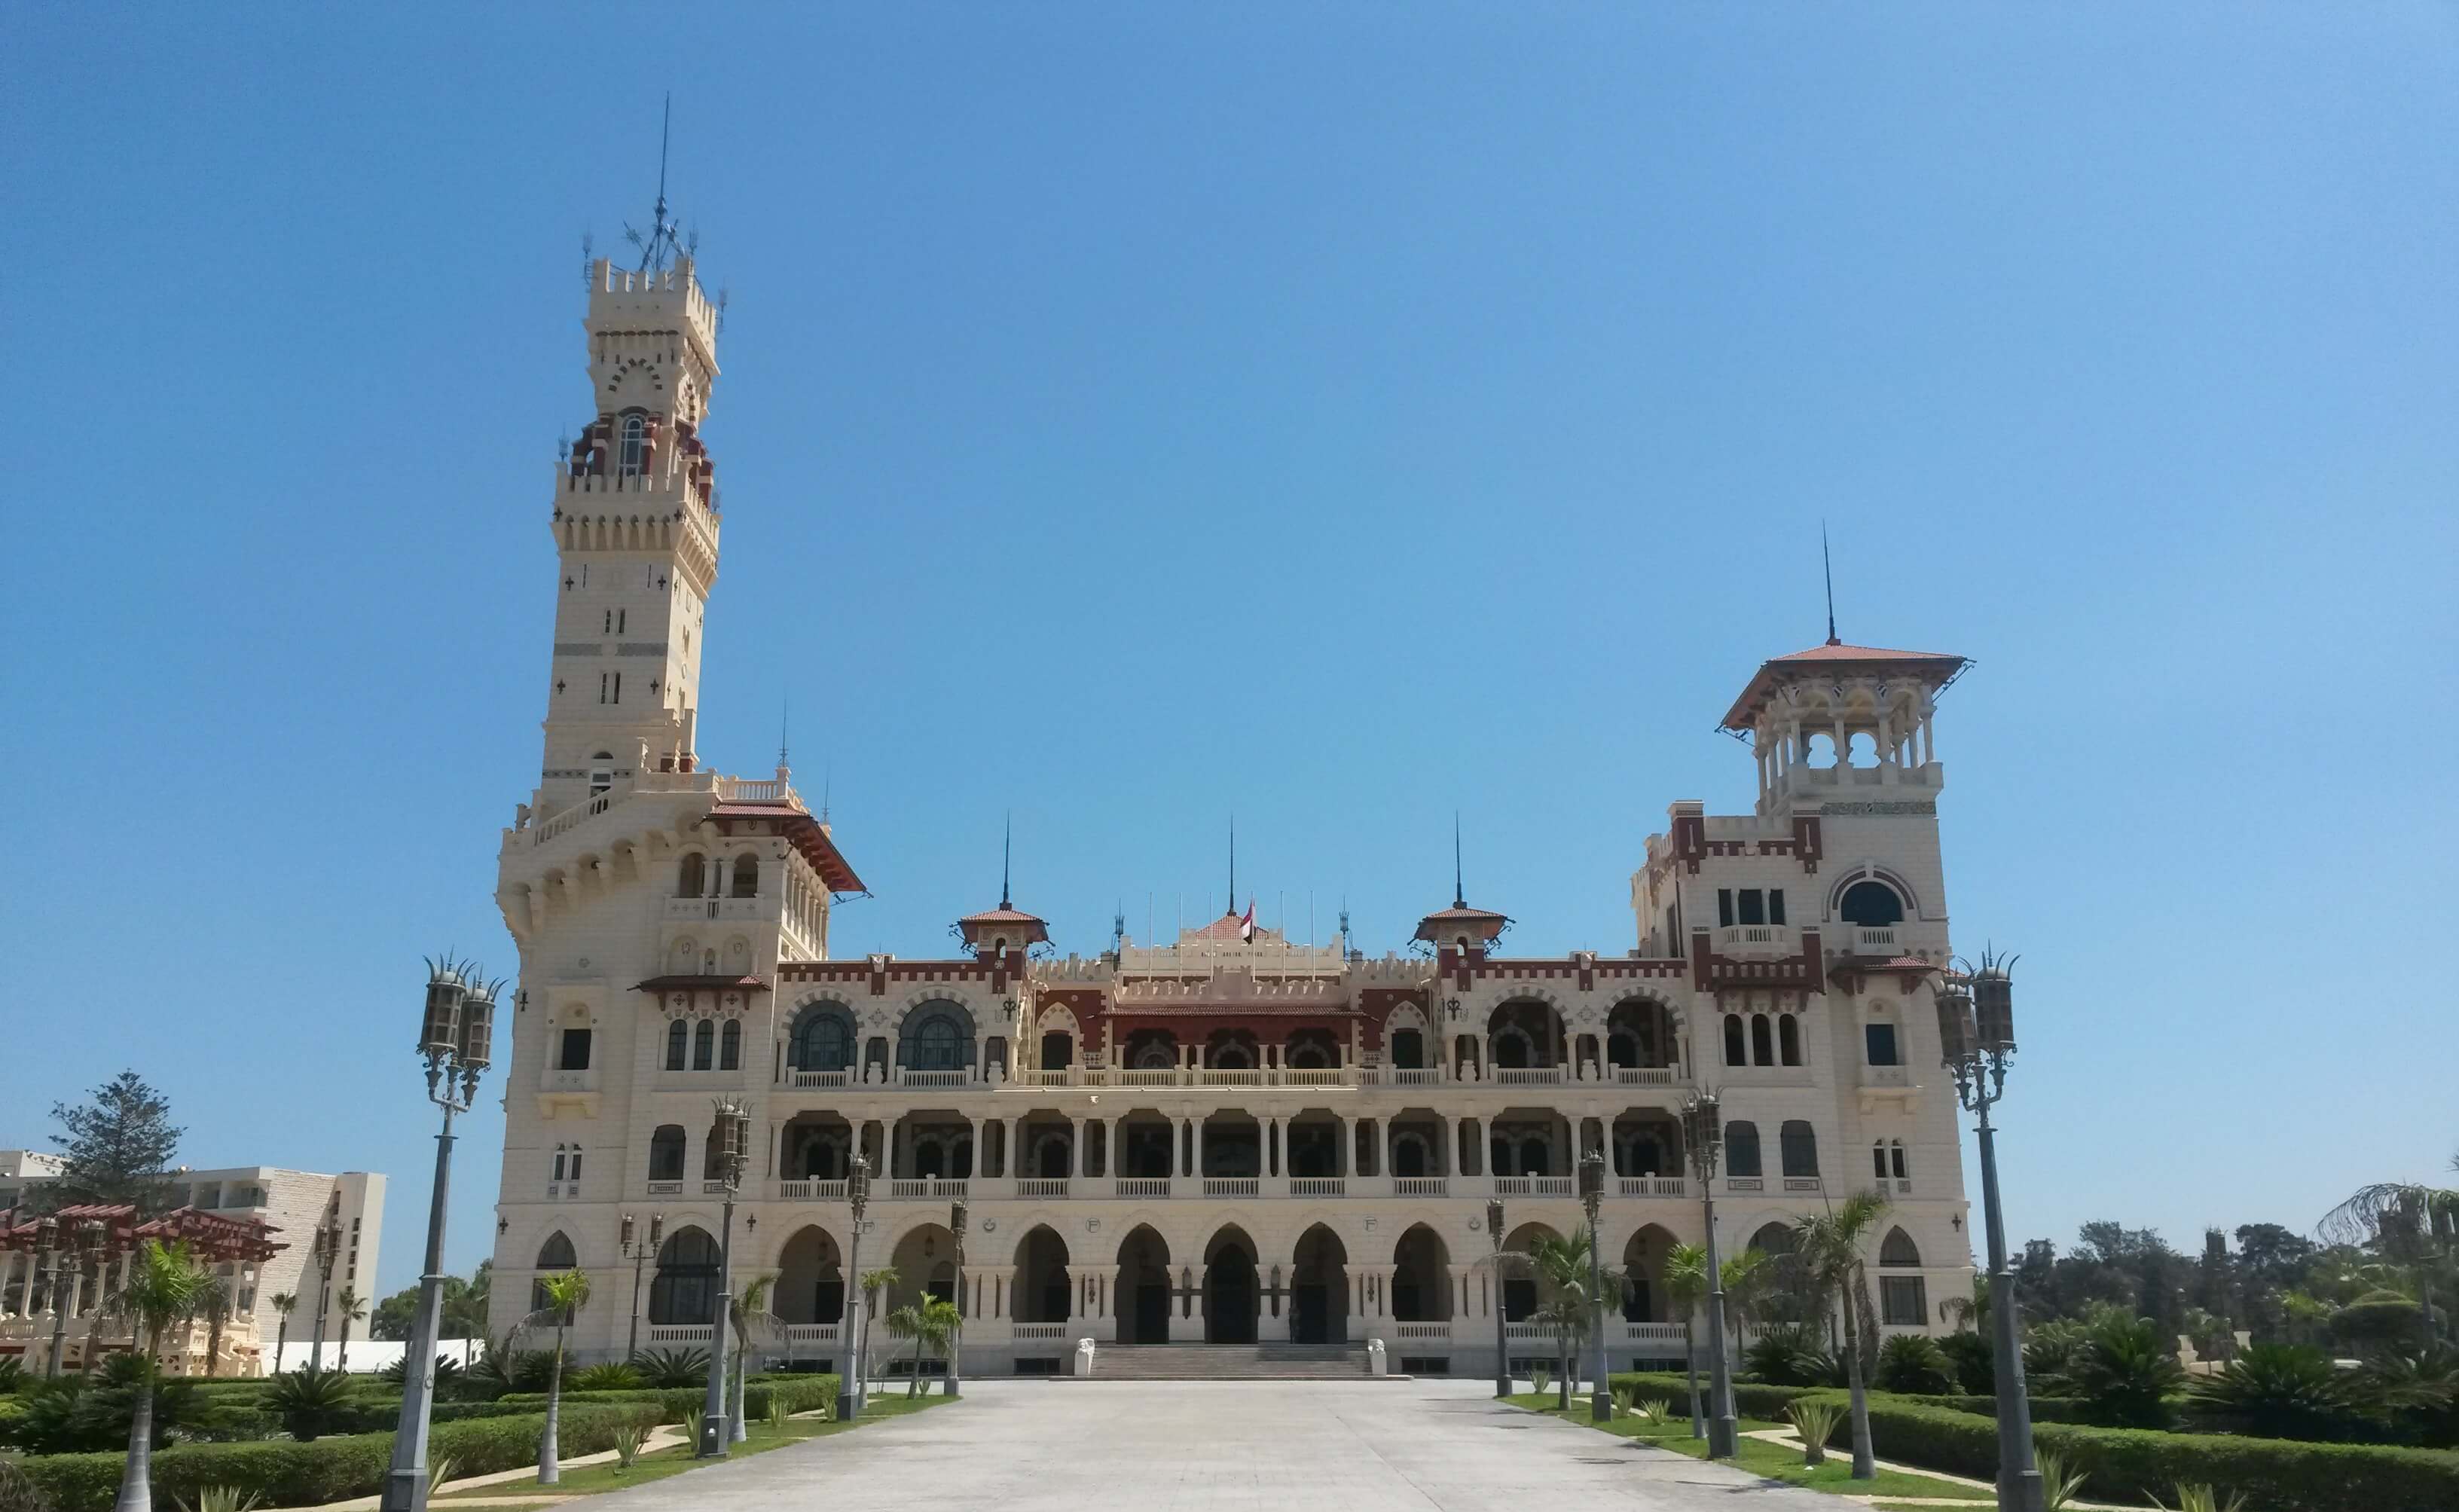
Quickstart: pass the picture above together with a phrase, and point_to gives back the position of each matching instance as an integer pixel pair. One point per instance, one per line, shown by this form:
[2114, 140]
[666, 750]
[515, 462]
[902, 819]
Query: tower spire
[785, 725]
[1459, 893]
[662, 241]
[1827, 570]
[1007, 850]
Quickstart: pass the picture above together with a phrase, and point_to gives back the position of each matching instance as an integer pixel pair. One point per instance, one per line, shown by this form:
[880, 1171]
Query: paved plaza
[1223, 1446]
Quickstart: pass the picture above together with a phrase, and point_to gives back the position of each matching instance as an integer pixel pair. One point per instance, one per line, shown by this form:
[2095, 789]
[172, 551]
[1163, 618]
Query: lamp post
[47, 1237]
[957, 1345]
[639, 1254]
[850, 1317]
[455, 1039]
[1976, 1034]
[1592, 1193]
[1502, 1339]
[1702, 1130]
[733, 1127]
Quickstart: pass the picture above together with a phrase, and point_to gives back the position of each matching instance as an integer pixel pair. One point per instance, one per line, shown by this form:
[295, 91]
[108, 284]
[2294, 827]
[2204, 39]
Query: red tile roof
[1843, 659]
[972, 926]
[1436, 926]
[808, 835]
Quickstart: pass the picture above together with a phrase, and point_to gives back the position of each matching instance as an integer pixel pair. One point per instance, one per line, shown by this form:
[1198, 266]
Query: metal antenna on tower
[662, 241]
[1233, 866]
[588, 257]
[1827, 570]
[785, 723]
[1008, 853]
[1459, 894]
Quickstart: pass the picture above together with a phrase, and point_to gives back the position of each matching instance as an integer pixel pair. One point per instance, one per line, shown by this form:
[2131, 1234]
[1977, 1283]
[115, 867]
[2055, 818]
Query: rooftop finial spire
[1007, 850]
[1827, 570]
[785, 723]
[1460, 892]
[662, 241]
[1233, 866]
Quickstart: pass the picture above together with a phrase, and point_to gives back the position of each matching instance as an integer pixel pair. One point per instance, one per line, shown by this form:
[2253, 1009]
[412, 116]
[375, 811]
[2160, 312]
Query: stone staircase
[1231, 1362]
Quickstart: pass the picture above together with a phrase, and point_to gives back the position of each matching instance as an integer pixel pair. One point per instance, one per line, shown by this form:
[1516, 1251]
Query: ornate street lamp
[1592, 1193]
[1502, 1339]
[1702, 1130]
[457, 1037]
[639, 1254]
[956, 1346]
[1976, 1037]
[733, 1128]
[850, 1315]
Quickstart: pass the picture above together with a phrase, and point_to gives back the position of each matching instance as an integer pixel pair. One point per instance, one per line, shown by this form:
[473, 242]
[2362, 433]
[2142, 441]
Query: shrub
[799, 1393]
[2125, 1375]
[2416, 1392]
[1974, 1363]
[1815, 1417]
[2133, 1464]
[1913, 1364]
[1540, 1378]
[82, 1414]
[2059, 1484]
[13, 1374]
[672, 1367]
[311, 1404]
[605, 1378]
[222, 1499]
[2379, 1322]
[1791, 1357]
[447, 1374]
[2280, 1391]
[18, 1490]
[628, 1440]
[330, 1469]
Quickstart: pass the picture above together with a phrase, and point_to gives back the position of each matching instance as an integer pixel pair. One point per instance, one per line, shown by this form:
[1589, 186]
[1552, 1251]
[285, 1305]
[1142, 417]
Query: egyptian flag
[1247, 925]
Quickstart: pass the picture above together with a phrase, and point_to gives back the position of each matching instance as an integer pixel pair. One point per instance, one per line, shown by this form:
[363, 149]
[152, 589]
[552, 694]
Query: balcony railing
[1039, 1331]
[925, 1189]
[1643, 1075]
[819, 1078]
[1528, 1076]
[1422, 1186]
[1143, 1186]
[1651, 1332]
[1422, 1330]
[810, 1191]
[1233, 1186]
[810, 1332]
[1041, 1187]
[1755, 936]
[1654, 1187]
[1879, 941]
[1532, 1185]
[679, 1332]
[1318, 1187]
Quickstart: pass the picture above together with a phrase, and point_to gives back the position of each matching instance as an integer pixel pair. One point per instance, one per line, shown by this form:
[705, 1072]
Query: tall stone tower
[636, 524]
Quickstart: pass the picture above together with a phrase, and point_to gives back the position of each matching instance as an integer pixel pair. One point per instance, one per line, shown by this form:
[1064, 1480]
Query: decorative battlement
[624, 298]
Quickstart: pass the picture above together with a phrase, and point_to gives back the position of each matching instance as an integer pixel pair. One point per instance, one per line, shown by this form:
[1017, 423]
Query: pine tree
[117, 1146]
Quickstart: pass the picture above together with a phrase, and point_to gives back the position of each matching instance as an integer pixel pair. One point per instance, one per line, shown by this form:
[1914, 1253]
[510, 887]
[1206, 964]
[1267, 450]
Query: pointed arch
[1043, 1281]
[1897, 1250]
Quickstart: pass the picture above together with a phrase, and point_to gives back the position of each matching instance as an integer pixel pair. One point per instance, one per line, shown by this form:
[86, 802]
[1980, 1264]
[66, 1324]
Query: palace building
[1223, 1138]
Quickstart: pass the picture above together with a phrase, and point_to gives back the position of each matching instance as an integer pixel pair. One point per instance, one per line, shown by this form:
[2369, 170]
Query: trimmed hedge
[799, 1393]
[1750, 1399]
[2134, 1464]
[330, 1469]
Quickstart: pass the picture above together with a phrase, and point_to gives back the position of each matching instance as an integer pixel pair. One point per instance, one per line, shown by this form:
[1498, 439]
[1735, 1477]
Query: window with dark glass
[1881, 1040]
[1725, 907]
[574, 1053]
[1800, 1147]
[667, 1153]
[1754, 906]
[1741, 1148]
[1904, 1301]
[704, 1045]
[678, 1038]
[1871, 903]
[729, 1046]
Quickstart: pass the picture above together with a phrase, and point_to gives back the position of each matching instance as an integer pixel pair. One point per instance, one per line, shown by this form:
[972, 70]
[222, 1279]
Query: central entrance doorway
[1319, 1289]
[1230, 1290]
[1144, 1288]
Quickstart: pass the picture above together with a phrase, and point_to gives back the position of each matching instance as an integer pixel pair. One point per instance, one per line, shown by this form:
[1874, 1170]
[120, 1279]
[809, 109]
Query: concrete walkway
[1219, 1446]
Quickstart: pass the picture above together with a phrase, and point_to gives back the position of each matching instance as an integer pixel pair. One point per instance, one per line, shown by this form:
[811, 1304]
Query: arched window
[1788, 1039]
[678, 1038]
[823, 1040]
[1742, 1148]
[556, 1255]
[636, 444]
[1535, 1157]
[705, 1045]
[685, 1290]
[938, 1037]
[1871, 903]
[1408, 1155]
[1898, 1250]
[557, 1174]
[1409, 1050]
[691, 875]
[729, 1046]
[1734, 1053]
[667, 1153]
[1887, 1159]
[747, 875]
[1799, 1146]
[1762, 1040]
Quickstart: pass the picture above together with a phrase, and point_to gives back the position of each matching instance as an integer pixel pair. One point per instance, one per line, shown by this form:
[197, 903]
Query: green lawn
[1759, 1457]
[590, 1480]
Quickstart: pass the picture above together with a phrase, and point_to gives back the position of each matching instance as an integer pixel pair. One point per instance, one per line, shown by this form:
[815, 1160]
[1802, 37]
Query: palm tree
[1686, 1287]
[748, 1311]
[165, 1284]
[349, 1305]
[1827, 1252]
[1570, 1306]
[2411, 1224]
[281, 1303]
[930, 1322]
[566, 1294]
[875, 1284]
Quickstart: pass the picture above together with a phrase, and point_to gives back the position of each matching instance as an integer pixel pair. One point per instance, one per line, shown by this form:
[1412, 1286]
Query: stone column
[1348, 1147]
[977, 1164]
[1076, 1152]
[1198, 1135]
[1007, 1150]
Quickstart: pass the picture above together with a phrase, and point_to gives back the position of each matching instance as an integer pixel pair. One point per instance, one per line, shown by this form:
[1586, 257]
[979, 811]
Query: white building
[291, 1202]
[1224, 1137]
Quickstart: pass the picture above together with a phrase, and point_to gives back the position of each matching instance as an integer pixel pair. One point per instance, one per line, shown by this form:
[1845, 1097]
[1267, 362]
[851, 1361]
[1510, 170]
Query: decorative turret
[1803, 715]
[994, 931]
[1461, 932]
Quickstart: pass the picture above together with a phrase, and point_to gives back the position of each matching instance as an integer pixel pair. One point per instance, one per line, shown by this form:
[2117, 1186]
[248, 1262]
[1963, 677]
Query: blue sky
[1336, 414]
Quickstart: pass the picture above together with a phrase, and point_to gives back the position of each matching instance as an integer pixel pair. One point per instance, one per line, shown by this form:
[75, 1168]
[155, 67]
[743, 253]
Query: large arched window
[1871, 903]
[691, 875]
[1734, 1052]
[1898, 1250]
[747, 875]
[705, 1045]
[729, 1046]
[938, 1037]
[555, 1255]
[1741, 1148]
[823, 1040]
[1903, 1300]
[685, 1290]
[677, 1045]
[1762, 1040]
[1788, 1039]
[667, 1153]
[636, 444]
[1798, 1144]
